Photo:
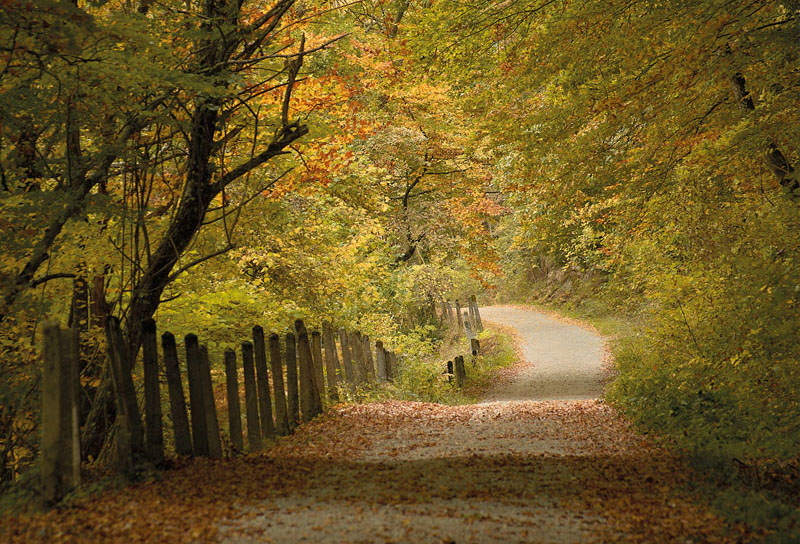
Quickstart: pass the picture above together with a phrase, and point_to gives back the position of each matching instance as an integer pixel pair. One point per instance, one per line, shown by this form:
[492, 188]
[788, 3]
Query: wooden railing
[302, 377]
[287, 381]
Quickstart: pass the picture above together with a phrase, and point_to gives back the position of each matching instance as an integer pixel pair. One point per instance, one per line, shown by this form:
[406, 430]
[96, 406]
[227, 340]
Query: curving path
[565, 360]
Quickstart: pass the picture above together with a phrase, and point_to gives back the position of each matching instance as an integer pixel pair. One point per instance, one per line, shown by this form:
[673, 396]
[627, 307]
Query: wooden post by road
[368, 362]
[347, 360]
[130, 437]
[177, 400]
[331, 360]
[470, 314]
[281, 411]
[390, 362]
[60, 443]
[292, 395]
[358, 360]
[251, 398]
[262, 383]
[210, 407]
[459, 319]
[380, 361]
[478, 320]
[154, 436]
[318, 374]
[460, 371]
[475, 344]
[310, 403]
[468, 327]
[194, 368]
[234, 405]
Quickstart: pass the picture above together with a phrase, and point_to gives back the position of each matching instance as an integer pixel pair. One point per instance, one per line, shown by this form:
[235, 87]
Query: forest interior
[507, 271]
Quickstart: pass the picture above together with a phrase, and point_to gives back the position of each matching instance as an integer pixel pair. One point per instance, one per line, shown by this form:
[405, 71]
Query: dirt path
[510, 470]
[565, 361]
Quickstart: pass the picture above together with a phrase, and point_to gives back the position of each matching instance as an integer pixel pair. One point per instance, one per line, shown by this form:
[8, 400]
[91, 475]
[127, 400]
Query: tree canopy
[225, 161]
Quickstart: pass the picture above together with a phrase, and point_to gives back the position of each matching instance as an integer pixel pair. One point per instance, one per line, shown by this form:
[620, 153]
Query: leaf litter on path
[555, 471]
[508, 471]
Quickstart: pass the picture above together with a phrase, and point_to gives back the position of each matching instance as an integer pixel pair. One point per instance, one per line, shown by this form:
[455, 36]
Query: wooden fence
[469, 323]
[287, 380]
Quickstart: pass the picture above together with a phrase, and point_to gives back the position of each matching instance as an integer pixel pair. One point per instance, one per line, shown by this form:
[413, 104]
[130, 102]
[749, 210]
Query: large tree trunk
[199, 191]
[197, 195]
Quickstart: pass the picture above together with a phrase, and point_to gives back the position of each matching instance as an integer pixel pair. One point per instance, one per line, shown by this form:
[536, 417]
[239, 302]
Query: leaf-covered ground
[506, 471]
[401, 472]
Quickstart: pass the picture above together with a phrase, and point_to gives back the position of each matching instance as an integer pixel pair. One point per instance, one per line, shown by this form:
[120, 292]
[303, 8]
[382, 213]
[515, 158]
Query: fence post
[281, 413]
[478, 320]
[130, 441]
[310, 403]
[250, 398]
[459, 319]
[468, 327]
[210, 407]
[461, 373]
[234, 405]
[194, 371]
[366, 349]
[449, 371]
[177, 400]
[331, 360]
[318, 375]
[60, 444]
[72, 340]
[380, 361]
[154, 435]
[262, 382]
[292, 399]
[475, 344]
[347, 360]
[470, 314]
[390, 360]
[358, 359]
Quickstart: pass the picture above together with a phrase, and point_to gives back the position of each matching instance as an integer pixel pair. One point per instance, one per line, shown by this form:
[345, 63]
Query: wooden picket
[297, 383]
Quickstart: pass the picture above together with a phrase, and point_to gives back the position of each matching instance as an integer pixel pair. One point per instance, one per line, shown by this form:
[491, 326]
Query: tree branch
[289, 135]
[194, 263]
[293, 66]
[43, 279]
[776, 160]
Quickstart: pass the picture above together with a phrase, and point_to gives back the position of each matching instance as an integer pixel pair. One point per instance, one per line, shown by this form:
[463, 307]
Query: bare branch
[247, 200]
[43, 279]
[194, 263]
[284, 139]
[293, 66]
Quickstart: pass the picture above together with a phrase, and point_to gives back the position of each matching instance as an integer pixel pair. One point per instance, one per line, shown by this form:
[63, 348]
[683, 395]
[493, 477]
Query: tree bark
[776, 160]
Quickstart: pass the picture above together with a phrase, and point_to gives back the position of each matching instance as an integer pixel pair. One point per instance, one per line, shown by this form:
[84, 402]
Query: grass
[424, 379]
